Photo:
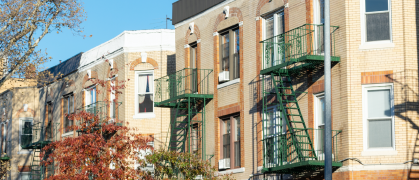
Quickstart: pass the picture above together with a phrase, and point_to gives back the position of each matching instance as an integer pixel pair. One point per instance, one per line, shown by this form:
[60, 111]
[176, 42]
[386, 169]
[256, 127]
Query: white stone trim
[215, 34]
[235, 81]
[186, 46]
[241, 23]
[233, 171]
[67, 134]
[379, 153]
[198, 41]
[287, 5]
[371, 46]
[257, 18]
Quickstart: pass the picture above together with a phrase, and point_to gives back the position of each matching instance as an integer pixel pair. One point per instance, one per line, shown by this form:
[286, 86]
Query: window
[230, 53]
[319, 29]
[274, 127]
[273, 25]
[49, 123]
[320, 120]
[376, 20]
[25, 132]
[231, 140]
[90, 99]
[68, 109]
[4, 135]
[195, 139]
[25, 176]
[113, 104]
[378, 117]
[142, 154]
[192, 67]
[144, 94]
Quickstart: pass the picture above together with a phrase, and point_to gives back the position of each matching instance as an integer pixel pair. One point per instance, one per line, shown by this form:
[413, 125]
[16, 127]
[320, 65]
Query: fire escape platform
[307, 62]
[36, 145]
[299, 167]
[170, 102]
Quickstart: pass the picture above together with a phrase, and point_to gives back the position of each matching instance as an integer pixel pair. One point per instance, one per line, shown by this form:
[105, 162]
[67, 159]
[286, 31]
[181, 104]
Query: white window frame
[70, 133]
[317, 98]
[21, 120]
[141, 155]
[112, 97]
[377, 151]
[275, 16]
[374, 44]
[87, 90]
[147, 115]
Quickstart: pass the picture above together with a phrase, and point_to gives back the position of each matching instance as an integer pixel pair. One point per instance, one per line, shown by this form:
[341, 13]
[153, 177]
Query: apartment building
[87, 82]
[248, 94]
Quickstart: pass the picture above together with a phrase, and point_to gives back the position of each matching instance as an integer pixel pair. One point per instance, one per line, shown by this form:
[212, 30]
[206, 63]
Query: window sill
[377, 152]
[67, 134]
[144, 116]
[228, 83]
[232, 171]
[24, 152]
[371, 46]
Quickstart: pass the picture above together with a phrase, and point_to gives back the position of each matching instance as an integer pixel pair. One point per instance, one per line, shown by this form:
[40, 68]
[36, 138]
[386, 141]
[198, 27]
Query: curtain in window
[145, 93]
[142, 87]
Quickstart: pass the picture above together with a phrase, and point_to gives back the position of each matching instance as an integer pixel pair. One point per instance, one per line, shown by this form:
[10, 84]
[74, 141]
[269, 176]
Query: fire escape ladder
[290, 110]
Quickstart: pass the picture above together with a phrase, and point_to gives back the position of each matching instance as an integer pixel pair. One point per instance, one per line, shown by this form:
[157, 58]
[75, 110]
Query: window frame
[86, 90]
[275, 15]
[112, 102]
[21, 123]
[232, 65]
[365, 89]
[233, 127]
[67, 96]
[145, 115]
[317, 98]
[374, 44]
[24, 173]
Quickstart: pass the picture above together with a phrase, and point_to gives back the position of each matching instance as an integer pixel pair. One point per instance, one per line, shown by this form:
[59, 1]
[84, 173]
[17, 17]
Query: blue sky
[105, 20]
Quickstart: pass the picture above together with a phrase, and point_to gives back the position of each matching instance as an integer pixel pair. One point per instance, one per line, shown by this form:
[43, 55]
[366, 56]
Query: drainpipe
[327, 83]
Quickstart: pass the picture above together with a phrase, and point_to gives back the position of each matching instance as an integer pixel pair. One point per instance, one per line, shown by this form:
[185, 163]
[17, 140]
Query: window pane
[237, 137]
[376, 5]
[26, 140]
[379, 133]
[378, 27]
[225, 52]
[269, 27]
[280, 25]
[226, 145]
[320, 140]
[145, 83]
[71, 105]
[145, 103]
[321, 111]
[25, 176]
[27, 128]
[379, 103]
[236, 54]
[237, 154]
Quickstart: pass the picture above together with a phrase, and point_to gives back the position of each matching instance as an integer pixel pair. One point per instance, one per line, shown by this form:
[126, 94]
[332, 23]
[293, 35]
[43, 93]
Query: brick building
[250, 91]
[133, 59]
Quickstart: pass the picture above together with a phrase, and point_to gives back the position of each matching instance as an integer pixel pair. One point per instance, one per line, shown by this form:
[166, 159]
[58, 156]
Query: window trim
[374, 44]
[365, 89]
[233, 124]
[147, 115]
[64, 117]
[232, 44]
[317, 98]
[20, 132]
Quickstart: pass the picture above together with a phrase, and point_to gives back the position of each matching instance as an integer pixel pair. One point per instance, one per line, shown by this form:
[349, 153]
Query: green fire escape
[289, 146]
[35, 137]
[187, 92]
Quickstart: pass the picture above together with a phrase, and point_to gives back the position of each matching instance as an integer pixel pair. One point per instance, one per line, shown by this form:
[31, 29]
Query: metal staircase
[288, 143]
[186, 92]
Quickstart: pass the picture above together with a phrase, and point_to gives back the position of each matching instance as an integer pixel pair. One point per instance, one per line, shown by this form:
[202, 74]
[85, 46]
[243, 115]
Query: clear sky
[105, 20]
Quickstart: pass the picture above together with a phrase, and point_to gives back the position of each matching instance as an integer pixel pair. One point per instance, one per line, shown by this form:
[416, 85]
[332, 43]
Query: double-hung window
[320, 119]
[231, 147]
[49, 126]
[112, 103]
[230, 54]
[90, 99]
[273, 27]
[193, 72]
[376, 19]
[144, 100]
[378, 118]
[68, 107]
[274, 129]
[25, 132]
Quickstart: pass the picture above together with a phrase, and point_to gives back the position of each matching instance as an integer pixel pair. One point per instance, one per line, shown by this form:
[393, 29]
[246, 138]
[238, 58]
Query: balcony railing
[302, 43]
[280, 153]
[106, 111]
[183, 82]
[39, 135]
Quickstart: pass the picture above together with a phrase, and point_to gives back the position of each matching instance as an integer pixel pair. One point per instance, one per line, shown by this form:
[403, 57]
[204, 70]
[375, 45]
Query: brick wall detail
[139, 61]
[376, 77]
[229, 109]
